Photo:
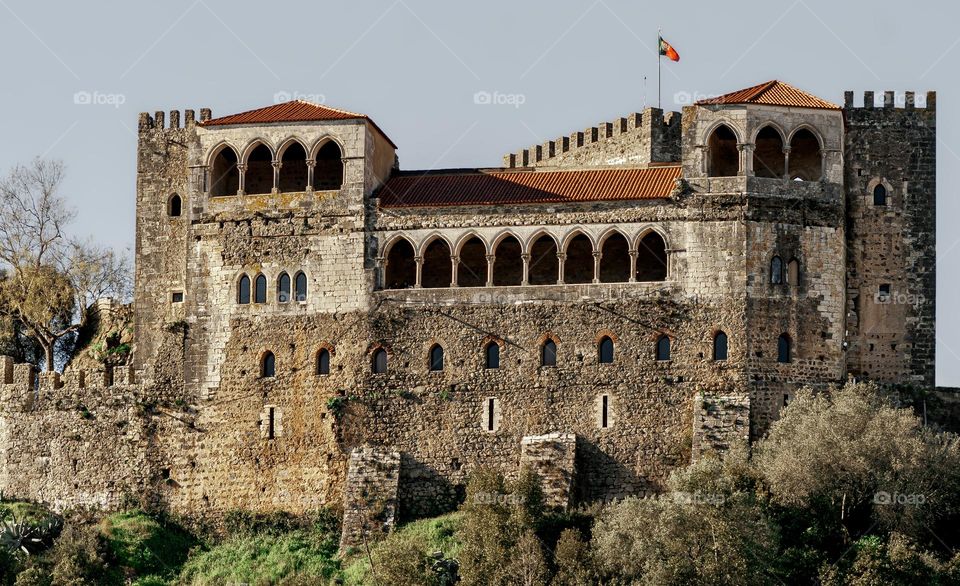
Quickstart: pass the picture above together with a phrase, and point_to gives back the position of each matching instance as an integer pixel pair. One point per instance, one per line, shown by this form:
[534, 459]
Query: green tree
[51, 278]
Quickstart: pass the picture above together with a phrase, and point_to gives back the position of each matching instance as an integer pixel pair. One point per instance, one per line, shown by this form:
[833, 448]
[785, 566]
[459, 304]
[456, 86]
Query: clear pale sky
[416, 65]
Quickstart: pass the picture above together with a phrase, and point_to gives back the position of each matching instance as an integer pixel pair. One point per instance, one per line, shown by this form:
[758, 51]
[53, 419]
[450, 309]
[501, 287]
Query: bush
[573, 560]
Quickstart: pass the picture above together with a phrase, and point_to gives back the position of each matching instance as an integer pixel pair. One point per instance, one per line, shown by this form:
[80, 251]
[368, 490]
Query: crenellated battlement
[158, 121]
[23, 386]
[651, 128]
[889, 101]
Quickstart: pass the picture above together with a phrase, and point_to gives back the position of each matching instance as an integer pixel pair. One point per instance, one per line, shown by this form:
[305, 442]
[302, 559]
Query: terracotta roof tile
[772, 93]
[294, 111]
[504, 187]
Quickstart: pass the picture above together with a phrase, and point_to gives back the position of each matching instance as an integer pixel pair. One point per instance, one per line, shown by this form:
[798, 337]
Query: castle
[316, 327]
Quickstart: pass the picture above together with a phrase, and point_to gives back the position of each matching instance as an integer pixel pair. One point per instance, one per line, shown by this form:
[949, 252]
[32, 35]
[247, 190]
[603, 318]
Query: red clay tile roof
[294, 111]
[772, 93]
[412, 189]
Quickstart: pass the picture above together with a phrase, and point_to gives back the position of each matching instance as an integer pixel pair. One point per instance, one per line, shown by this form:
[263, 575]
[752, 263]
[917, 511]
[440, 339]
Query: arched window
[436, 270]
[258, 178]
[472, 270]
[379, 361]
[283, 288]
[724, 157]
[328, 172]
[605, 350]
[301, 286]
[401, 269]
[879, 195]
[720, 346]
[260, 289]
[492, 355]
[175, 206]
[224, 174]
[293, 169]
[776, 270]
[548, 353]
[323, 361]
[783, 349]
[793, 272]
[508, 266]
[615, 259]
[578, 268]
[243, 290]
[806, 162]
[768, 157]
[268, 365]
[436, 358]
[663, 348]
[652, 258]
[544, 264]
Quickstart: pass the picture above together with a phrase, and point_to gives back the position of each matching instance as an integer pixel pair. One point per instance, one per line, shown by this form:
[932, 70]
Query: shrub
[573, 560]
[145, 545]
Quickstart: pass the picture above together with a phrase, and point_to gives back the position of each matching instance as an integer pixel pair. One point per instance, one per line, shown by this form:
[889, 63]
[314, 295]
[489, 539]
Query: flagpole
[659, 60]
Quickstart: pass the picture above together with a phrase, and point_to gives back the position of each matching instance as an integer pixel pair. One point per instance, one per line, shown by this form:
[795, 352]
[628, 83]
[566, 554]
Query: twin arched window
[779, 276]
[283, 288]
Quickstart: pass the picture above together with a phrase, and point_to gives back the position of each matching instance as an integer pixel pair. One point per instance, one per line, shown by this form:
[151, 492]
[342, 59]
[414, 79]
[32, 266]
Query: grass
[261, 559]
[145, 545]
[25, 512]
[432, 535]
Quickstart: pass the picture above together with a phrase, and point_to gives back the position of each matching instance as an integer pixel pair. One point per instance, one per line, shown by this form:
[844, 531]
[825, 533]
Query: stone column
[242, 170]
[786, 163]
[633, 265]
[381, 280]
[597, 254]
[310, 165]
[561, 260]
[746, 159]
[454, 263]
[276, 176]
[491, 258]
[526, 269]
[419, 261]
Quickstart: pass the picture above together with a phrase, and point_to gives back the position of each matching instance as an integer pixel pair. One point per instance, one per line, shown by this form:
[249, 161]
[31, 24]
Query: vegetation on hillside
[846, 489]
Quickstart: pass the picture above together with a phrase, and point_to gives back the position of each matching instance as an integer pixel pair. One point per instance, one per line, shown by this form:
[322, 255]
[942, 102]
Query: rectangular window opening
[604, 412]
[177, 297]
[271, 424]
[490, 411]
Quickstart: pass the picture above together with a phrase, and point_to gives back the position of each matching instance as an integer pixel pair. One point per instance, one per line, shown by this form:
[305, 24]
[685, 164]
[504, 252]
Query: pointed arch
[175, 206]
[723, 154]
[806, 154]
[720, 345]
[260, 289]
[579, 264]
[268, 365]
[652, 263]
[769, 159]
[776, 270]
[292, 155]
[258, 158]
[243, 290]
[283, 288]
[614, 257]
[544, 266]
[548, 352]
[508, 266]
[491, 355]
[224, 172]
[400, 271]
[472, 268]
[300, 286]
[328, 166]
[435, 271]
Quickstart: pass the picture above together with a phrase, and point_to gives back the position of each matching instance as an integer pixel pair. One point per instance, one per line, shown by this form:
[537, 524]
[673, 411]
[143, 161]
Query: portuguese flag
[668, 50]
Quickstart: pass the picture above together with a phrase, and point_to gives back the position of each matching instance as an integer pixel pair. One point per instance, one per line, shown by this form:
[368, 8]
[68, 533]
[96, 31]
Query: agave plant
[21, 537]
